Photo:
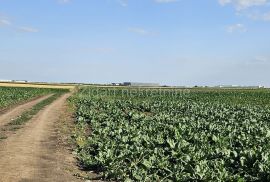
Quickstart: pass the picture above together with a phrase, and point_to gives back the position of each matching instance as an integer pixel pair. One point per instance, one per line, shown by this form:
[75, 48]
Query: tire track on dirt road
[13, 113]
[31, 154]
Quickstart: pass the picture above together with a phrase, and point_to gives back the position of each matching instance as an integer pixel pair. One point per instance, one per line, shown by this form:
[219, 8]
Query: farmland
[13, 95]
[37, 85]
[174, 135]
[30, 136]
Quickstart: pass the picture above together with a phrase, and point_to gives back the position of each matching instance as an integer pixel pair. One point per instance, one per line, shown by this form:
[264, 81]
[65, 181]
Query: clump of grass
[27, 115]
[2, 137]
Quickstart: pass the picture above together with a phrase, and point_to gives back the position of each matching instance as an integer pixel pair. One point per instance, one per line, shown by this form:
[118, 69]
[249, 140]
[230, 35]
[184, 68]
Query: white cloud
[100, 50]
[264, 16]
[253, 9]
[141, 31]
[28, 29]
[123, 3]
[4, 21]
[165, 1]
[244, 4]
[258, 61]
[262, 59]
[236, 28]
[64, 1]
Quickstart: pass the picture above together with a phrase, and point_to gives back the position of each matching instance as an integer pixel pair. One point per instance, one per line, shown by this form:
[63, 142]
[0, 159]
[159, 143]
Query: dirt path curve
[17, 111]
[31, 154]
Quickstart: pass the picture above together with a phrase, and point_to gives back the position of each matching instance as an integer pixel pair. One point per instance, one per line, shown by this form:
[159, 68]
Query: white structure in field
[138, 84]
[20, 81]
[238, 86]
[14, 81]
[5, 80]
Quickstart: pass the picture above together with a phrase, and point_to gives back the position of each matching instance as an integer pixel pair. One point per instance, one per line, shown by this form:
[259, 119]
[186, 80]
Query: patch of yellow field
[37, 85]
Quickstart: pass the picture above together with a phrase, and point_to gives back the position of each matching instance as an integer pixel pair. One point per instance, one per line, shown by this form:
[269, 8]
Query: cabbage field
[174, 135]
[14, 95]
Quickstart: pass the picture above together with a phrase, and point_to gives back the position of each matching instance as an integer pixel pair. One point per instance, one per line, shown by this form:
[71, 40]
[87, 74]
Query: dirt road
[17, 111]
[32, 153]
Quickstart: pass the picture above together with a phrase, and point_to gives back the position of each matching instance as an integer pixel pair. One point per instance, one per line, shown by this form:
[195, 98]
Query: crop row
[201, 136]
[13, 95]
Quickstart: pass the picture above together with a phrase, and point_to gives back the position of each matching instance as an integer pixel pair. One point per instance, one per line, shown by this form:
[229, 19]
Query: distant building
[5, 80]
[20, 81]
[229, 86]
[254, 87]
[138, 84]
[237, 86]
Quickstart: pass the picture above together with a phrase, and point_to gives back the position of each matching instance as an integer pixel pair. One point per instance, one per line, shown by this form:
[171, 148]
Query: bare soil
[36, 152]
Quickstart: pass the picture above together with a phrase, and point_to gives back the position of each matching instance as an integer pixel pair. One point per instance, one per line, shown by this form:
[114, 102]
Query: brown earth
[34, 152]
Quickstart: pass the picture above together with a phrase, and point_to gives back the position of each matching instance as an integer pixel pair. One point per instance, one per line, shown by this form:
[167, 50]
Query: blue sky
[174, 42]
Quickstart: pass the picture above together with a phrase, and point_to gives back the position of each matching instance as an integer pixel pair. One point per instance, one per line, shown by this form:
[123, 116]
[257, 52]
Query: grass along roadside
[76, 135]
[26, 116]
